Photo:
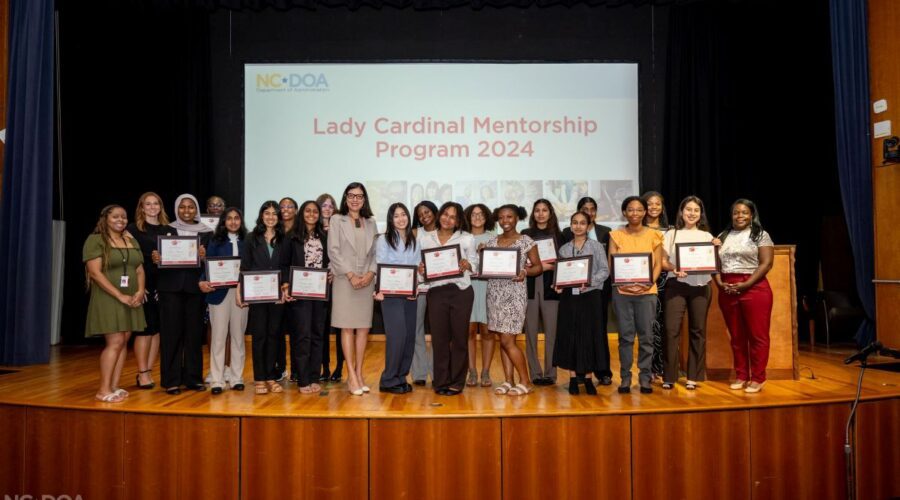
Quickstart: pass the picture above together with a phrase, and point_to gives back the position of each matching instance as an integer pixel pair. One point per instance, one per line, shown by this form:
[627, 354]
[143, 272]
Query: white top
[676, 236]
[740, 254]
[466, 244]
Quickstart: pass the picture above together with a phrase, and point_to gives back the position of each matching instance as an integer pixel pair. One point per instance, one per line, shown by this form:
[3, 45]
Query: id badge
[576, 291]
[123, 282]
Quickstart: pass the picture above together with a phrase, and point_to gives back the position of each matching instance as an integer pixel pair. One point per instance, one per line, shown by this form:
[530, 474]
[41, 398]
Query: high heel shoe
[323, 377]
[336, 374]
[137, 381]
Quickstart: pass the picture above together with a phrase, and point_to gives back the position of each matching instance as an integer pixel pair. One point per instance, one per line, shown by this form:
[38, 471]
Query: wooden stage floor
[69, 381]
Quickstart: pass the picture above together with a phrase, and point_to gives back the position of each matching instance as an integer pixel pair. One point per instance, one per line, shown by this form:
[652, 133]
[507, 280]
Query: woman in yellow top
[635, 305]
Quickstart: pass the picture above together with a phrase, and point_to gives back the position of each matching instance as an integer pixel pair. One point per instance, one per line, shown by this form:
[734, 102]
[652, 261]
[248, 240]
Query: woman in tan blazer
[351, 249]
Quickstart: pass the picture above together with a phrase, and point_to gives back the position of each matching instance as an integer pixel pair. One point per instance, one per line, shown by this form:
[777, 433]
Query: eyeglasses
[354, 196]
[287, 207]
[215, 205]
[478, 215]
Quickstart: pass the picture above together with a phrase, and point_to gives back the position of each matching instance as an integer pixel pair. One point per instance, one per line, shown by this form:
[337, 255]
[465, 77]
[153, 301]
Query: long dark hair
[300, 232]
[489, 221]
[461, 223]
[366, 211]
[221, 234]
[391, 233]
[552, 222]
[702, 224]
[430, 206]
[582, 201]
[756, 228]
[260, 228]
[663, 217]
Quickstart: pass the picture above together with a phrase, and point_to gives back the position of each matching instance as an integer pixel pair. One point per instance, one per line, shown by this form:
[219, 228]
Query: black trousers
[607, 299]
[281, 347]
[449, 310]
[400, 331]
[265, 328]
[326, 343]
[181, 338]
[307, 319]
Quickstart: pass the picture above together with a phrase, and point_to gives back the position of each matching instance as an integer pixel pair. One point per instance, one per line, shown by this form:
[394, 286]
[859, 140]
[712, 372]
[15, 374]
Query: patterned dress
[508, 299]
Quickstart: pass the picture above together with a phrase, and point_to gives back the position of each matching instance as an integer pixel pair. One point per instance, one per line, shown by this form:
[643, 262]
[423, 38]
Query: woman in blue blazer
[226, 317]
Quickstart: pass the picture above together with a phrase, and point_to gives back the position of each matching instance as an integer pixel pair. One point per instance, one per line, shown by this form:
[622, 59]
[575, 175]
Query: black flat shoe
[216, 390]
[624, 389]
[604, 380]
[323, 377]
[589, 388]
[197, 387]
[336, 376]
[238, 387]
[573, 386]
[399, 389]
[419, 382]
[137, 381]
[173, 391]
[646, 390]
[407, 387]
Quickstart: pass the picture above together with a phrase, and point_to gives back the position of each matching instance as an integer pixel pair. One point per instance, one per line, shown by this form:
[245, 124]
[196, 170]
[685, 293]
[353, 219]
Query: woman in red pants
[745, 298]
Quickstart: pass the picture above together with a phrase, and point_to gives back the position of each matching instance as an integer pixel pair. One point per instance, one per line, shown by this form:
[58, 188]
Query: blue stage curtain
[849, 54]
[27, 198]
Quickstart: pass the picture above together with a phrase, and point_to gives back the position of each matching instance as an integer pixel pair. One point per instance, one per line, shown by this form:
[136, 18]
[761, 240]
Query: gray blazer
[342, 251]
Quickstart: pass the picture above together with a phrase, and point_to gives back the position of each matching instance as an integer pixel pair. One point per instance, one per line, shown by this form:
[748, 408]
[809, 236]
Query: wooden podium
[783, 330]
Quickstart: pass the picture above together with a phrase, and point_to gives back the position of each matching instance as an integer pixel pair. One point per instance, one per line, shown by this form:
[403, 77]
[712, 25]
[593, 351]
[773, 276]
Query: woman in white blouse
[686, 293]
[745, 298]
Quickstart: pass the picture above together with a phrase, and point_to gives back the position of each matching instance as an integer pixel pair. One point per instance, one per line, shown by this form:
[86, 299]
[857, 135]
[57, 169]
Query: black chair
[842, 314]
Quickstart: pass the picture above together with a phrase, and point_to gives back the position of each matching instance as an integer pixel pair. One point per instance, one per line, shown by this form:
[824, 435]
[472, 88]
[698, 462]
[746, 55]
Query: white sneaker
[754, 387]
[738, 385]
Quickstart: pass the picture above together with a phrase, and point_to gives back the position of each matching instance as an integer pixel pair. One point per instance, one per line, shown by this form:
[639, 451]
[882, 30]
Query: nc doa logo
[291, 82]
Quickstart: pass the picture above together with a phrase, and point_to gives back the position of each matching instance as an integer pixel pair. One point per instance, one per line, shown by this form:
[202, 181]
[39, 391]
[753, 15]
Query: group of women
[129, 293]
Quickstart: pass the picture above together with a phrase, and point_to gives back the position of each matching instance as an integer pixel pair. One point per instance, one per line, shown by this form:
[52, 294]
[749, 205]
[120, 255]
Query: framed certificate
[546, 249]
[210, 221]
[499, 262]
[632, 269]
[573, 272]
[260, 287]
[697, 258]
[441, 262]
[396, 280]
[309, 283]
[223, 271]
[178, 251]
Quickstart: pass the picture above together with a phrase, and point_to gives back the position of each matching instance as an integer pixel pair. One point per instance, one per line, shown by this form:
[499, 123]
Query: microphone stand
[850, 448]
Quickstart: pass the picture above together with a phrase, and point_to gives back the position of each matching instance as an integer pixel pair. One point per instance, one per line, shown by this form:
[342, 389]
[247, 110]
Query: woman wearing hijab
[181, 307]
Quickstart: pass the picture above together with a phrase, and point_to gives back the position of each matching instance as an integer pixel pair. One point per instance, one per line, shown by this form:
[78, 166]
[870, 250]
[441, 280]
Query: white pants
[227, 318]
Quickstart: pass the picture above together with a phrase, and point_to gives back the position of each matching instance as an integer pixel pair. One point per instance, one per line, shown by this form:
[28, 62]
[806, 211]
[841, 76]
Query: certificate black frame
[159, 240]
[612, 268]
[555, 249]
[210, 260]
[679, 246]
[438, 249]
[590, 269]
[415, 284]
[481, 273]
[244, 275]
[308, 297]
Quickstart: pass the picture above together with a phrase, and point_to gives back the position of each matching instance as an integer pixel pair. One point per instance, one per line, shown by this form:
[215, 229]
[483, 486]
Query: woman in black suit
[263, 253]
[181, 308]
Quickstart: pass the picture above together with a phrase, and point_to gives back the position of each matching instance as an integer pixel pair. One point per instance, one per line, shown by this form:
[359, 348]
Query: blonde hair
[140, 221]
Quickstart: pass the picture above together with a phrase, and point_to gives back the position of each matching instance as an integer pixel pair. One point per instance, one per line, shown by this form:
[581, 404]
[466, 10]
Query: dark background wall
[735, 99]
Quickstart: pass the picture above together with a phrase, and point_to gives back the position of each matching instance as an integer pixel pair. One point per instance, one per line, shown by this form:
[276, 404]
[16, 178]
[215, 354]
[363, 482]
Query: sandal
[314, 388]
[519, 390]
[306, 389]
[472, 381]
[274, 387]
[121, 392]
[668, 385]
[112, 397]
[486, 379]
[260, 388]
[503, 388]
[691, 385]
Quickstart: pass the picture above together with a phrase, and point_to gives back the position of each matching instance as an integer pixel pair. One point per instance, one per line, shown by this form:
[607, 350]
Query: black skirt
[581, 344]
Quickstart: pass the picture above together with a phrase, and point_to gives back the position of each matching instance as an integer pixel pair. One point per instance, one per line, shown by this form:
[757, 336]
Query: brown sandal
[274, 387]
[261, 388]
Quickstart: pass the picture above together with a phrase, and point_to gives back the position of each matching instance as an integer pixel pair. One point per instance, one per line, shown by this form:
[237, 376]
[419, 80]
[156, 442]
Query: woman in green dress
[115, 277]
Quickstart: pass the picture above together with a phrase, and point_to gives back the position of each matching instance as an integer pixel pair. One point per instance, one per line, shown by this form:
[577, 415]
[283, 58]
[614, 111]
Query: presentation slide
[464, 132]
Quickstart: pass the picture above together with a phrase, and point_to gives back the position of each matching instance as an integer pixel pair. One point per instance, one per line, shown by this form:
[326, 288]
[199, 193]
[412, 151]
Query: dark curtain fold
[27, 197]
[851, 110]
